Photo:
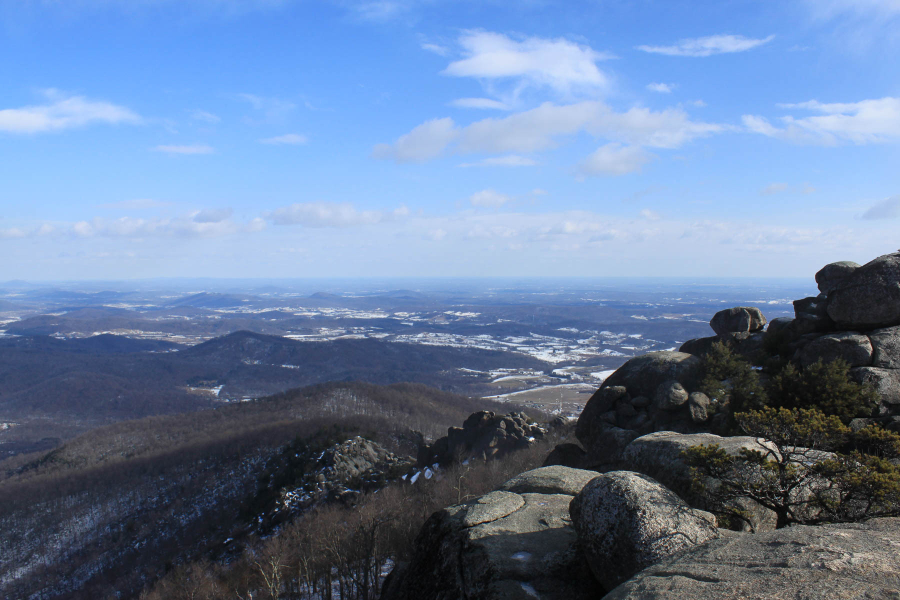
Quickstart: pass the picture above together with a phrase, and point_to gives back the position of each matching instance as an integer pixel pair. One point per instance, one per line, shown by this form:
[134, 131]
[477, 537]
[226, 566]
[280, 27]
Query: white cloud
[483, 231]
[131, 227]
[212, 215]
[889, 208]
[436, 49]
[11, 233]
[437, 234]
[274, 110]
[206, 117]
[707, 46]
[773, 188]
[650, 215]
[63, 113]
[540, 128]
[483, 103]
[256, 224]
[291, 139]
[423, 143]
[661, 88]
[379, 10]
[191, 149]
[559, 64]
[489, 198]
[327, 214]
[510, 160]
[614, 159]
[864, 122]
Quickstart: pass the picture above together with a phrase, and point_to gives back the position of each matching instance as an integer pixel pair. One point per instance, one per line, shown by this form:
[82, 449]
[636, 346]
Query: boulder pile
[569, 534]
[652, 392]
[483, 435]
[341, 473]
[514, 543]
[855, 317]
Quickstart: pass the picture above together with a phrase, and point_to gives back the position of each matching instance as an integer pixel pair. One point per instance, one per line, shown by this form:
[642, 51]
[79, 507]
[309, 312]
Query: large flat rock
[829, 562]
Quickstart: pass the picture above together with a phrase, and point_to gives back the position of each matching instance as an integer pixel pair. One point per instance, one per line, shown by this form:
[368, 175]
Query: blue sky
[302, 138]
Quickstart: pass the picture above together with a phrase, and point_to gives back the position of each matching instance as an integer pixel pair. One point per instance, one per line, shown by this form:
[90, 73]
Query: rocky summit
[616, 516]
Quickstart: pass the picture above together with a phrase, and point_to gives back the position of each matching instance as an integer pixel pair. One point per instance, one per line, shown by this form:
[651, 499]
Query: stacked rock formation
[652, 392]
[855, 317]
[483, 435]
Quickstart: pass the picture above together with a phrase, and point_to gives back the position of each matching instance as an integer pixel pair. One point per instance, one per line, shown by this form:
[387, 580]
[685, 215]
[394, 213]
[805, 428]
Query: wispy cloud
[889, 208]
[423, 143]
[708, 46]
[543, 127]
[289, 139]
[198, 224]
[510, 160]
[661, 88]
[436, 49]
[63, 112]
[615, 159]
[11, 233]
[558, 64]
[484, 103]
[864, 122]
[190, 149]
[206, 117]
[489, 198]
[330, 214]
[773, 188]
[273, 110]
[212, 215]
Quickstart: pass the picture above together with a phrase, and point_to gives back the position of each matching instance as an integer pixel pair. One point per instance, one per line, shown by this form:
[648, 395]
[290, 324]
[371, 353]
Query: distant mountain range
[58, 388]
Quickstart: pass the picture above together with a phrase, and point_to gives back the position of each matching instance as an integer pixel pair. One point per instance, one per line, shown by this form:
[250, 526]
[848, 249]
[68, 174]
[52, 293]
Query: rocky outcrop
[627, 521]
[869, 296]
[483, 435]
[341, 473]
[853, 348]
[828, 561]
[886, 382]
[659, 455]
[647, 393]
[830, 276]
[514, 543]
[643, 374]
[740, 319]
[855, 318]
[885, 348]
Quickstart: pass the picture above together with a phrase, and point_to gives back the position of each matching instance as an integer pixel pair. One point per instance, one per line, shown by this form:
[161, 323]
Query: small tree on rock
[814, 469]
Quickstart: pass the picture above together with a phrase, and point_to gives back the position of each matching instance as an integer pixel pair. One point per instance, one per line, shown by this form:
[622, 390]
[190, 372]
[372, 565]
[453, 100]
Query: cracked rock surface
[828, 562]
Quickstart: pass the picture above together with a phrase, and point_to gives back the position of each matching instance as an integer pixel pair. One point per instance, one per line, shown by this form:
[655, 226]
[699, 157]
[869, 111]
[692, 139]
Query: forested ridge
[115, 509]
